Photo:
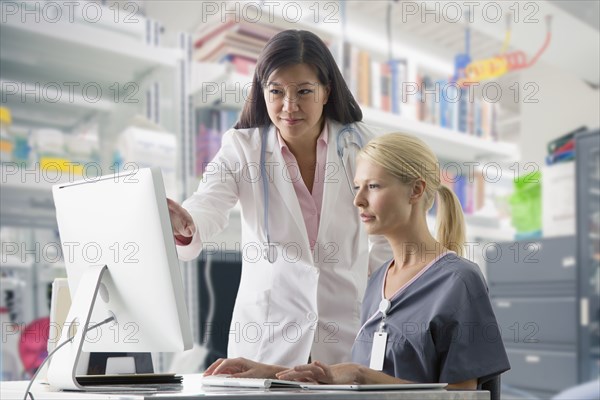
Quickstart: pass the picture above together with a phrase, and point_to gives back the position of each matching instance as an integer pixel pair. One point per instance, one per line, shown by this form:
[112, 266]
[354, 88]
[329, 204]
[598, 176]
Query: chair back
[493, 386]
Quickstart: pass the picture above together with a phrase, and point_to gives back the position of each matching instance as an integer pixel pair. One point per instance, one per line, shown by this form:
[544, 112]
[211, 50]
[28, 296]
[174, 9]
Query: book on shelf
[559, 143]
[560, 157]
[364, 78]
[212, 124]
[374, 83]
[443, 103]
[241, 65]
[221, 37]
[562, 149]
[470, 190]
[398, 79]
[386, 87]
[351, 68]
[376, 94]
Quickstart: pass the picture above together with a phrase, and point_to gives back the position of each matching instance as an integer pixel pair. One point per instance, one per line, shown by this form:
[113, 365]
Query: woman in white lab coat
[288, 161]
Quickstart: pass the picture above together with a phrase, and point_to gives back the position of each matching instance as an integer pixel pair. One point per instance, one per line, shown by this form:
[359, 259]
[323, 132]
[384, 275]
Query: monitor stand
[63, 365]
[70, 361]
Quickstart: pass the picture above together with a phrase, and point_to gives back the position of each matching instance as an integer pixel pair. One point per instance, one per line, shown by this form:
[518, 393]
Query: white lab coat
[306, 302]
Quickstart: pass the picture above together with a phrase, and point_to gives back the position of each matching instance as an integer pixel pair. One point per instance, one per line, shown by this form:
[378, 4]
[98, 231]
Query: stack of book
[469, 189]
[212, 124]
[232, 40]
[562, 149]
[443, 103]
[374, 83]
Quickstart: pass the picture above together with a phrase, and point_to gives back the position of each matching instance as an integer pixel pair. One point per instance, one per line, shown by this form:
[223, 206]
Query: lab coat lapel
[335, 181]
[281, 183]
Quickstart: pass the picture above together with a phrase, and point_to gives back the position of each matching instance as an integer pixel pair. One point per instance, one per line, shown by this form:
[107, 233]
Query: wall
[564, 104]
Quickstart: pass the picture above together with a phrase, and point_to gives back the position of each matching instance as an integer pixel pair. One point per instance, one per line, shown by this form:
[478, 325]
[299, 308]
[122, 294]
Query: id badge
[378, 350]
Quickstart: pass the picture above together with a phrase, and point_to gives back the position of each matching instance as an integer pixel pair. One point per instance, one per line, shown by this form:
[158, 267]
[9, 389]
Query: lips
[290, 121]
[367, 217]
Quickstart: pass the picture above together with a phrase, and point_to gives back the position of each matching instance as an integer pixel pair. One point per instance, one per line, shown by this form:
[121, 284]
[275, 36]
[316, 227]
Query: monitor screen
[122, 221]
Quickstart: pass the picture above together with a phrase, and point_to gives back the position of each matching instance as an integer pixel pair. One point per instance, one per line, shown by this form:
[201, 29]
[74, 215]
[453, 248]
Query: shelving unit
[135, 76]
[447, 144]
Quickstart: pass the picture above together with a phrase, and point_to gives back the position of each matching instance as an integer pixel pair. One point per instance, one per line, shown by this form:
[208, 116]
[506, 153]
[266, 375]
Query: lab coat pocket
[252, 307]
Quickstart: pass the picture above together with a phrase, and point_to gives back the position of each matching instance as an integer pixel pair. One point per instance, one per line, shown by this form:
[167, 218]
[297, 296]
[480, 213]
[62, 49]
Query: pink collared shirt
[310, 202]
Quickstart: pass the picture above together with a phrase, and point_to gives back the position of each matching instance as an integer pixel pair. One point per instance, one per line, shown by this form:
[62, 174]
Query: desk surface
[192, 389]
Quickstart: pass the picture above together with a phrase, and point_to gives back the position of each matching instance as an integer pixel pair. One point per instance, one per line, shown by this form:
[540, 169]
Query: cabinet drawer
[543, 321]
[541, 370]
[532, 261]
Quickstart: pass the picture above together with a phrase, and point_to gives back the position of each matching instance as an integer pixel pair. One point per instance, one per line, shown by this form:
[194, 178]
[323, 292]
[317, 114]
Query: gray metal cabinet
[533, 291]
[545, 293]
[587, 146]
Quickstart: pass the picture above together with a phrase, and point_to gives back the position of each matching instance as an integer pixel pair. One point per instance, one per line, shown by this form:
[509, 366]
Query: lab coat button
[311, 316]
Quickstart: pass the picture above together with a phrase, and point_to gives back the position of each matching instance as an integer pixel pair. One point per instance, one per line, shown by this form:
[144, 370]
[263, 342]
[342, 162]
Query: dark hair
[293, 47]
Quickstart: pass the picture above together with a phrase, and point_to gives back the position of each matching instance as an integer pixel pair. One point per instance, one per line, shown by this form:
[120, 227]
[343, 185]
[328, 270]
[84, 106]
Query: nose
[359, 199]
[290, 102]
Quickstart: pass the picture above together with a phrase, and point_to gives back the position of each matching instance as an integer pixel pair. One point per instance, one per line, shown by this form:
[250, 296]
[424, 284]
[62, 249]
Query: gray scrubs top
[441, 327]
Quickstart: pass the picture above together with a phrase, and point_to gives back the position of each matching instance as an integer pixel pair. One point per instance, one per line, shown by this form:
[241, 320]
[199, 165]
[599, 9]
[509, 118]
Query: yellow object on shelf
[60, 165]
[6, 139]
[5, 116]
[6, 146]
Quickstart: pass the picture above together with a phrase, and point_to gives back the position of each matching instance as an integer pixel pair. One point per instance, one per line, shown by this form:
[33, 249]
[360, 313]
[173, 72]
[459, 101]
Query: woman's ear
[418, 190]
[327, 93]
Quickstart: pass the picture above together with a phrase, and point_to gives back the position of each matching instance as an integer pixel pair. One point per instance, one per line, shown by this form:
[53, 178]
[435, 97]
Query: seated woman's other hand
[318, 372]
[242, 368]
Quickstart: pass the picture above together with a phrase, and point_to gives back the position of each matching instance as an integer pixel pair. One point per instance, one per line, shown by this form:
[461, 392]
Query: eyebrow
[299, 84]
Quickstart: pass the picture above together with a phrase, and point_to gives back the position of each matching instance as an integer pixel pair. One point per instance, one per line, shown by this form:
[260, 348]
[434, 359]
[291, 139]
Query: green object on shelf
[526, 203]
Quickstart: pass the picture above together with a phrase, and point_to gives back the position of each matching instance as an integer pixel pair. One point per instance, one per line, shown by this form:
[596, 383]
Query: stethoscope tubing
[356, 140]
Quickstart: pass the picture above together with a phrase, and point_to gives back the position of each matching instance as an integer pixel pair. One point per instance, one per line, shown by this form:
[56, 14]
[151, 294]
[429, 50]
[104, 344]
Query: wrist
[274, 369]
[361, 376]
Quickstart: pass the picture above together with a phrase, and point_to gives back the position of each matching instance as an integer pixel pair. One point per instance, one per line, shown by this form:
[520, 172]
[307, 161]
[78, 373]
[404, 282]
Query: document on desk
[131, 382]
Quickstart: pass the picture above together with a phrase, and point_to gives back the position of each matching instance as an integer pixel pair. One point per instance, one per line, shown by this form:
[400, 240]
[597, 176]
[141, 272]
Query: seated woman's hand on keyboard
[243, 368]
[318, 372]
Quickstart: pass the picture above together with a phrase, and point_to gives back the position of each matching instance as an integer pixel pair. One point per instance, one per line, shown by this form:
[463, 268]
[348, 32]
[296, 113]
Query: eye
[303, 92]
[275, 91]
[355, 188]
[373, 186]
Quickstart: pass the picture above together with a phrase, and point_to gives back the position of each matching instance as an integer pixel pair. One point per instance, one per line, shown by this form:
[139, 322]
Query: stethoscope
[348, 139]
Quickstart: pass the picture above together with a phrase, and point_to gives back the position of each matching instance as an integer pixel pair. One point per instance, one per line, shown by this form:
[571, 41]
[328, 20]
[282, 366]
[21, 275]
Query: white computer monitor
[118, 247]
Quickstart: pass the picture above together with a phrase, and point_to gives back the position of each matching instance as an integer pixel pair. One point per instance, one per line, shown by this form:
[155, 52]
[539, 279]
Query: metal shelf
[69, 48]
[446, 143]
[26, 197]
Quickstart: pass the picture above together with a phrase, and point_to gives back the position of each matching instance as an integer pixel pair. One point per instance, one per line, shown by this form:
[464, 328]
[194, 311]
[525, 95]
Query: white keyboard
[259, 383]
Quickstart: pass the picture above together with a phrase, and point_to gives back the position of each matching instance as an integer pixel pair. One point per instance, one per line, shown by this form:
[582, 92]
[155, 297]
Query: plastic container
[6, 139]
[21, 149]
[48, 146]
[526, 205]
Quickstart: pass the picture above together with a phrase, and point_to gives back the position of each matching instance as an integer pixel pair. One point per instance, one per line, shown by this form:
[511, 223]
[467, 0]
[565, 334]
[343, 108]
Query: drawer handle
[584, 307]
[532, 359]
[568, 262]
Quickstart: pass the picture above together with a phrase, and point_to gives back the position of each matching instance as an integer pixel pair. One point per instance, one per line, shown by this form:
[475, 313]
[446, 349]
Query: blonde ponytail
[407, 158]
[450, 220]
